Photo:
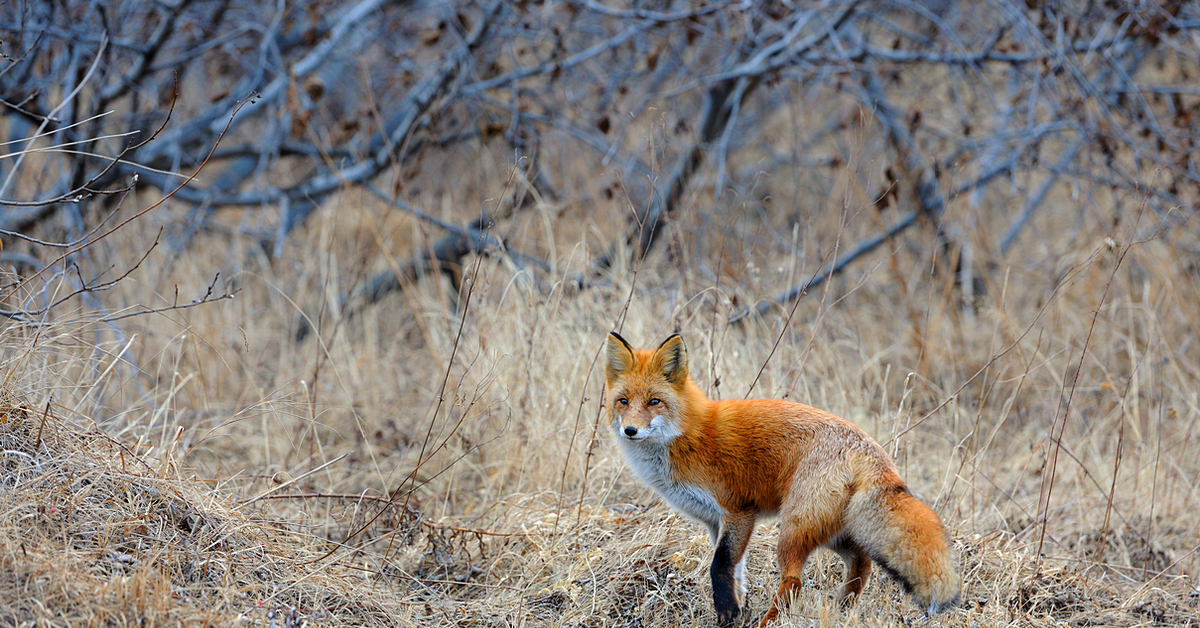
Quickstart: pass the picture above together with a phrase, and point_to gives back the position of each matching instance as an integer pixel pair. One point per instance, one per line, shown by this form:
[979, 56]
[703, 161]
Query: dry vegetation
[296, 448]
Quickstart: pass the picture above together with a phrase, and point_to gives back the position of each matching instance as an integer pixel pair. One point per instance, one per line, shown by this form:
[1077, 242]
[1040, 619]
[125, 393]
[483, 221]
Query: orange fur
[724, 463]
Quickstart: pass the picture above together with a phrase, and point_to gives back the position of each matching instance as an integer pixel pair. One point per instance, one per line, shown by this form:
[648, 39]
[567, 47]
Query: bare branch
[1034, 201]
[303, 198]
[141, 66]
[843, 262]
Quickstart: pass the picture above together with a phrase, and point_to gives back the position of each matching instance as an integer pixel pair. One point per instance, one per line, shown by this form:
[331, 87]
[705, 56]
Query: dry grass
[131, 500]
[93, 534]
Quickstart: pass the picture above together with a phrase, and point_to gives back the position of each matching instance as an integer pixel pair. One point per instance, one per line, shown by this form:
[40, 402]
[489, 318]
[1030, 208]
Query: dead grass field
[202, 468]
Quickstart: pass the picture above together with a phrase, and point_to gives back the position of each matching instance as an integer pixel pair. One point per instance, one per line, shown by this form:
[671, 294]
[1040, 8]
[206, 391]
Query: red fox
[724, 463]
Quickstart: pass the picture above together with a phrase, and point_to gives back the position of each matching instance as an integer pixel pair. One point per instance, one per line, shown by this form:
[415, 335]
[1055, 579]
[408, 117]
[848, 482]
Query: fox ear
[618, 357]
[671, 359]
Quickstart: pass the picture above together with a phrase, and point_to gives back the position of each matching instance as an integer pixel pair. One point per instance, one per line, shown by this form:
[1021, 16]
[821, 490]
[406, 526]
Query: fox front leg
[727, 558]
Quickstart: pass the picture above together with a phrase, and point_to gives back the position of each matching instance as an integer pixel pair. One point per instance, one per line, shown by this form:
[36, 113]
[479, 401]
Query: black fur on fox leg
[724, 583]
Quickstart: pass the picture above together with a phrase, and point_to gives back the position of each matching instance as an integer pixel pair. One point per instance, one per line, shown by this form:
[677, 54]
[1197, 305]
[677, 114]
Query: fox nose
[630, 431]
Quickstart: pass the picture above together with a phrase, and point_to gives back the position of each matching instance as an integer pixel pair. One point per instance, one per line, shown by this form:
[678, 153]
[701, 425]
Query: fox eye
[623, 401]
[654, 402]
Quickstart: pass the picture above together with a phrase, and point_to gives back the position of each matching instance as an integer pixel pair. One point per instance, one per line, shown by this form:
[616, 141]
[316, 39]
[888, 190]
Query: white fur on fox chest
[651, 462]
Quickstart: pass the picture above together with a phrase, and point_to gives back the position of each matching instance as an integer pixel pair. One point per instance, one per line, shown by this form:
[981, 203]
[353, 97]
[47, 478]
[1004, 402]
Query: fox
[727, 463]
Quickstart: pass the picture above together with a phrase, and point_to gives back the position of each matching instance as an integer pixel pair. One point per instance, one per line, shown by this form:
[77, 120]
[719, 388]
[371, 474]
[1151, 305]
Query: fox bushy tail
[906, 539]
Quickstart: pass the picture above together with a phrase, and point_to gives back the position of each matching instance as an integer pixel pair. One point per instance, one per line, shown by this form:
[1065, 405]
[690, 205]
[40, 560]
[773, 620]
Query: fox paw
[726, 618]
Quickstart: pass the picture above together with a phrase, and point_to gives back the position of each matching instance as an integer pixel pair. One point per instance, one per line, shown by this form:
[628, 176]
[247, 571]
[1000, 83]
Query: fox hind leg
[791, 564]
[795, 544]
[812, 516]
[858, 569]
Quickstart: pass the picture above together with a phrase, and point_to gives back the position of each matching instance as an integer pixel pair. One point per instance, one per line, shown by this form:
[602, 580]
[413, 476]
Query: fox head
[646, 390]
